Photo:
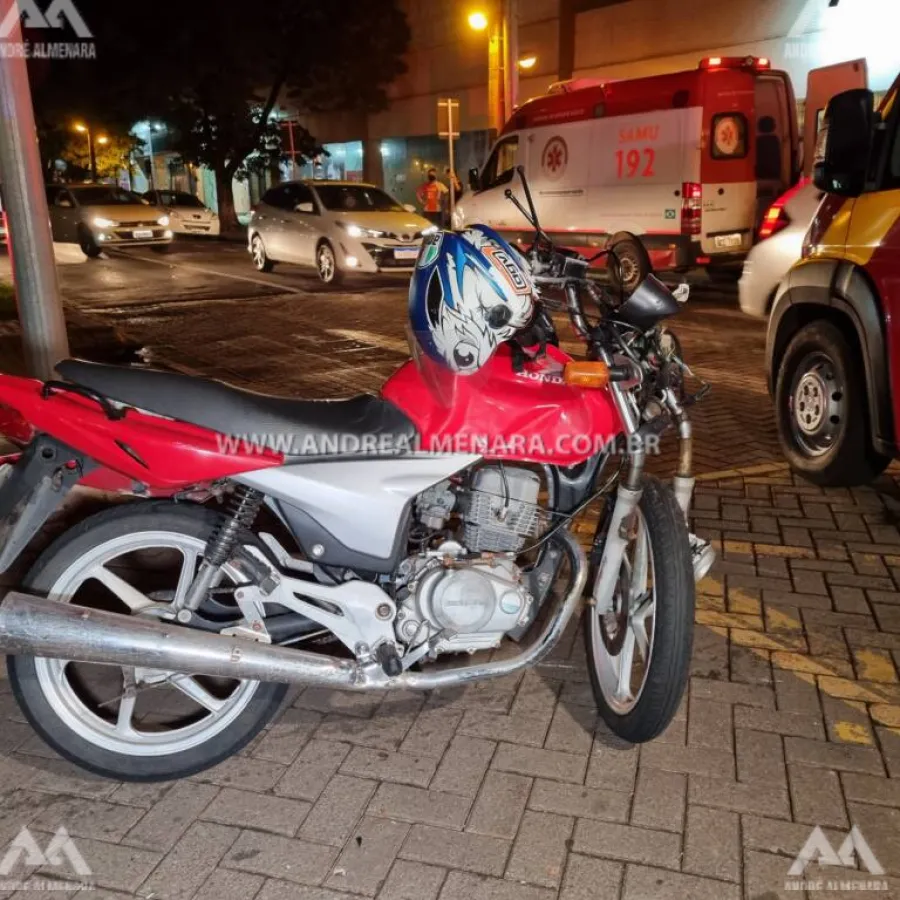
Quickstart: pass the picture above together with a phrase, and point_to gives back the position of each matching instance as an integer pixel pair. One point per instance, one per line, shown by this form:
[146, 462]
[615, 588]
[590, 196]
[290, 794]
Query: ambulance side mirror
[844, 143]
[474, 179]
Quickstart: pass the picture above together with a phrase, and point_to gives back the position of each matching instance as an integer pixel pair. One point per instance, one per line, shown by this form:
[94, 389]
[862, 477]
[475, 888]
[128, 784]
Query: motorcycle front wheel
[130, 723]
[639, 654]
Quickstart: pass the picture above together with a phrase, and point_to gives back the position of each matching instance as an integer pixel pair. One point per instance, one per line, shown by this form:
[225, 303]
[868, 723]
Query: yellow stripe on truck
[873, 217]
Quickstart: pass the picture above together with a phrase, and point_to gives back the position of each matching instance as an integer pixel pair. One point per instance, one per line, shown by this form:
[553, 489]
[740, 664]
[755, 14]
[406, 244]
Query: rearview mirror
[844, 142]
[305, 207]
[474, 179]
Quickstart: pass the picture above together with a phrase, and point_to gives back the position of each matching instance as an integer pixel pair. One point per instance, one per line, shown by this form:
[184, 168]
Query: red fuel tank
[501, 413]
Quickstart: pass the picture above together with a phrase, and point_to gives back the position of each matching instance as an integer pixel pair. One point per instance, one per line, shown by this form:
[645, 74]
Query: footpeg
[703, 555]
[389, 659]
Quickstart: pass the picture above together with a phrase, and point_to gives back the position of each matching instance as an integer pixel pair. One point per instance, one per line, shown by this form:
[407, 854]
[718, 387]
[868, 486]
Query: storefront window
[340, 162]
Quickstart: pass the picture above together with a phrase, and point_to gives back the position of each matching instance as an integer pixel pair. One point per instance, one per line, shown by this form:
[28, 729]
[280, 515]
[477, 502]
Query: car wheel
[261, 261]
[326, 265]
[821, 409]
[89, 246]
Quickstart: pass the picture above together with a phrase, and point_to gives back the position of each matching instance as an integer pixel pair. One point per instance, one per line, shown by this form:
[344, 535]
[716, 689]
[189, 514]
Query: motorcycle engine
[466, 593]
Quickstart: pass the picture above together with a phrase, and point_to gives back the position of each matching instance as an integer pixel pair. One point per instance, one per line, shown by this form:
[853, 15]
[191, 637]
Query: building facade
[612, 39]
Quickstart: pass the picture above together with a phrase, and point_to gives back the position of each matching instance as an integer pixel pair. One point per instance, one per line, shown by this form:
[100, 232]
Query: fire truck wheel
[629, 261]
[821, 409]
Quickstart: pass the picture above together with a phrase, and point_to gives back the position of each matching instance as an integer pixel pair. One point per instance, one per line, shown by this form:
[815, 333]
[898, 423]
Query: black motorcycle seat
[360, 425]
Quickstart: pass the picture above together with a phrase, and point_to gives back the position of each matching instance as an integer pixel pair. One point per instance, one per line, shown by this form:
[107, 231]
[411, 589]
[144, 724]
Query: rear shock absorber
[243, 507]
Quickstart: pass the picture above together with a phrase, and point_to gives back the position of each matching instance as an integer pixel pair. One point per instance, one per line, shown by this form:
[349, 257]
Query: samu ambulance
[688, 161]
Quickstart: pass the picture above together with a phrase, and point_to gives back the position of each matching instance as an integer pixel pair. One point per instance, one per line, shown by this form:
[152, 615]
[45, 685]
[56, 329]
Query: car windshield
[179, 198]
[356, 198]
[105, 195]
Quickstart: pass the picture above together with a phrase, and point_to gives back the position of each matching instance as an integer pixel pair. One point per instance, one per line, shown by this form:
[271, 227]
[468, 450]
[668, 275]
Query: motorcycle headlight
[163, 220]
[103, 222]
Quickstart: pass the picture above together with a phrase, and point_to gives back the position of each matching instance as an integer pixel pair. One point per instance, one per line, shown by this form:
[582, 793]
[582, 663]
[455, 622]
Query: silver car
[336, 226]
[780, 240]
[96, 216]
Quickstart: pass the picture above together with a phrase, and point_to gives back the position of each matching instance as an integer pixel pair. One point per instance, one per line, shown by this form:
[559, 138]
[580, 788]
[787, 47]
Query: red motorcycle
[349, 543]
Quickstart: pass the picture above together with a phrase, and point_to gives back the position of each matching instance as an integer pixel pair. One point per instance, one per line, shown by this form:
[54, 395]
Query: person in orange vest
[431, 198]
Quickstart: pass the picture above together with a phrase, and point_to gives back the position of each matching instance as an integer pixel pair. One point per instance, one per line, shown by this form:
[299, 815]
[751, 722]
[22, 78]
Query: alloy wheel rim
[259, 253]
[114, 724]
[326, 263]
[623, 642]
[817, 404]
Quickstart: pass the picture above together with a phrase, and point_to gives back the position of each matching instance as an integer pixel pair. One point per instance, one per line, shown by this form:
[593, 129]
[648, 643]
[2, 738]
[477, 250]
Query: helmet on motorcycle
[470, 292]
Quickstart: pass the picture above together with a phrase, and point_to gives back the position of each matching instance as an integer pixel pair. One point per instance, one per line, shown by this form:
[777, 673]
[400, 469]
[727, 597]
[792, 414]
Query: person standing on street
[431, 198]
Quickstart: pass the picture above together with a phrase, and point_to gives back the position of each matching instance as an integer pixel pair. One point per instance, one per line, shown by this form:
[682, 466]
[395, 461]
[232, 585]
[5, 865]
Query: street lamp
[502, 57]
[527, 62]
[81, 128]
[151, 127]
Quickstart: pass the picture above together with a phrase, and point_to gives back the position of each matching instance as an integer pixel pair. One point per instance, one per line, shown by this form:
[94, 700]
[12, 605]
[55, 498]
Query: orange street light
[103, 139]
[80, 127]
[478, 21]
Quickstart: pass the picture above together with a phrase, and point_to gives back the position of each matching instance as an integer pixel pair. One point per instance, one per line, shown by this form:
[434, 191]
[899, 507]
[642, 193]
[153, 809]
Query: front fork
[628, 496]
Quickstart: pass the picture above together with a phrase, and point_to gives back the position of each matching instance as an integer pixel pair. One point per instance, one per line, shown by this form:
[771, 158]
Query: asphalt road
[193, 269]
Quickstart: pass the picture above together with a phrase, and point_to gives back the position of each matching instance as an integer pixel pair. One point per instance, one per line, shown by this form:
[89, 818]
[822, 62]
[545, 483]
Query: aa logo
[818, 849]
[58, 13]
[60, 850]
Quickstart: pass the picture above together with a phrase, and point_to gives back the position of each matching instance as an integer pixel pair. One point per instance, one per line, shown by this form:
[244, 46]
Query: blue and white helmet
[470, 292]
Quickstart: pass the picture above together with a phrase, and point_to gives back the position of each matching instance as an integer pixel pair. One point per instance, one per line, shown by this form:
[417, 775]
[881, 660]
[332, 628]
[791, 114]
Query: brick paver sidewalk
[513, 790]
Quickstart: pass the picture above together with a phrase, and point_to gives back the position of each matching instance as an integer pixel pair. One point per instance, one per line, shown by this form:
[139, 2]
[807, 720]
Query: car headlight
[163, 220]
[431, 229]
[356, 232]
[102, 222]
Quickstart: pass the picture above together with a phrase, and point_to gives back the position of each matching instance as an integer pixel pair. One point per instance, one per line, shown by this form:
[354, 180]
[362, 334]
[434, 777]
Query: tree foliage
[216, 72]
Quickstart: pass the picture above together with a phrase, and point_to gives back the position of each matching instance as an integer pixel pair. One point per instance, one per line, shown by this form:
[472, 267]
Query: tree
[219, 73]
[112, 153]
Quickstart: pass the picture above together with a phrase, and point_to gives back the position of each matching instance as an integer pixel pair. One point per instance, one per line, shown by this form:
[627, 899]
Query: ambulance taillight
[691, 207]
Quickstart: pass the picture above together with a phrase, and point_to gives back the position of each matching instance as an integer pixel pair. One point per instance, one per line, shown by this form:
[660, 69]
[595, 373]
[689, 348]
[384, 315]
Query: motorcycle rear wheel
[654, 627]
[169, 725]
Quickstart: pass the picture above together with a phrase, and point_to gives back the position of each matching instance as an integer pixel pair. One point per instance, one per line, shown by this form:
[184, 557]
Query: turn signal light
[586, 374]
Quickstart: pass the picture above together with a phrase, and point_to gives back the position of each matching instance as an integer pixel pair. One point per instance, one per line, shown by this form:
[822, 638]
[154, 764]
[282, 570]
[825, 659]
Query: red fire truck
[689, 161]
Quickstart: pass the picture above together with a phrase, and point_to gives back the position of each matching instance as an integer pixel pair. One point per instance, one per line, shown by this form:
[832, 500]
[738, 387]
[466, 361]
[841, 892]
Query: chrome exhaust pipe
[37, 626]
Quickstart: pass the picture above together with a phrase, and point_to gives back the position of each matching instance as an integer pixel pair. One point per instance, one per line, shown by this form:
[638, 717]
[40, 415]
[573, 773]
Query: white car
[186, 212]
[336, 226]
[780, 240]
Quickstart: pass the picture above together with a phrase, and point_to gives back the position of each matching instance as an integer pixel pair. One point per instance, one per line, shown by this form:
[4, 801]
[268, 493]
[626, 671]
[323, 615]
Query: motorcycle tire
[88, 737]
[667, 668]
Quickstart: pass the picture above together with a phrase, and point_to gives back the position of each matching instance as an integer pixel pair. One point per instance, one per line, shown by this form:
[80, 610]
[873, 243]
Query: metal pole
[92, 153]
[293, 150]
[452, 163]
[44, 337]
[150, 144]
[495, 78]
[511, 54]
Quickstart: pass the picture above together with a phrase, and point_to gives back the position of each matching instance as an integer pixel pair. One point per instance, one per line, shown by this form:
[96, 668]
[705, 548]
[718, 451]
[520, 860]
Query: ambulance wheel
[629, 263]
[821, 409]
